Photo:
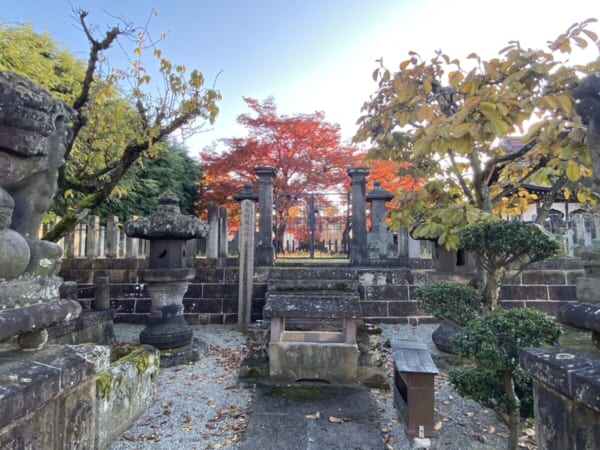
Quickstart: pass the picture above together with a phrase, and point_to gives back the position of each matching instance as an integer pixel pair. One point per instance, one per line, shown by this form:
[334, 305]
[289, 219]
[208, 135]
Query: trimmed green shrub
[503, 245]
[449, 300]
[492, 344]
[499, 243]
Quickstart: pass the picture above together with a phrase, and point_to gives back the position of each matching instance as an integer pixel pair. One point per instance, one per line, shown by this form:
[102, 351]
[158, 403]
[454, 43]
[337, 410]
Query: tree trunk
[514, 417]
[491, 282]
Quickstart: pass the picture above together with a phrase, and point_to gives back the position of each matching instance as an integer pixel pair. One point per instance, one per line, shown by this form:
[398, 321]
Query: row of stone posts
[359, 244]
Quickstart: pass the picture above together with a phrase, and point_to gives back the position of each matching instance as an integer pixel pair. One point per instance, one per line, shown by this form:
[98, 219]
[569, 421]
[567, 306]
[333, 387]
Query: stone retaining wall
[387, 294]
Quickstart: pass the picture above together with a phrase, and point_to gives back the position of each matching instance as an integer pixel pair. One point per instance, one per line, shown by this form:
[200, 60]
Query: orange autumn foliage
[393, 176]
[305, 149]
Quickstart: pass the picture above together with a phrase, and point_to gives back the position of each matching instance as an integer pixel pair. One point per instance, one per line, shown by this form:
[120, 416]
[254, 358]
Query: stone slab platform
[278, 419]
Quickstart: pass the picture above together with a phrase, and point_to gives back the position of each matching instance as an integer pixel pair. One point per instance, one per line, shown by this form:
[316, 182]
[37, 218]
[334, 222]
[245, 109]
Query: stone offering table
[167, 275]
[296, 355]
[313, 329]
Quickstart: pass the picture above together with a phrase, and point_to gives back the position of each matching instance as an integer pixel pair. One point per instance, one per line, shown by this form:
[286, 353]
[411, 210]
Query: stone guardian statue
[34, 134]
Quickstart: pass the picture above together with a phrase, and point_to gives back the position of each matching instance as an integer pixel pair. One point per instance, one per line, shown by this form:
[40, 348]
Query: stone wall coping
[573, 373]
[30, 379]
[584, 316]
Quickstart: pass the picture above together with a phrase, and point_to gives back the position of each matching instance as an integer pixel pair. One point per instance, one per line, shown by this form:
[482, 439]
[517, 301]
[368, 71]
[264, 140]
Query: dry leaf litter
[200, 405]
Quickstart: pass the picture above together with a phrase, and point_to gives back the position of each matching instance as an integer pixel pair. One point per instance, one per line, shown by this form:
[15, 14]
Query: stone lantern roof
[167, 222]
[246, 194]
[378, 193]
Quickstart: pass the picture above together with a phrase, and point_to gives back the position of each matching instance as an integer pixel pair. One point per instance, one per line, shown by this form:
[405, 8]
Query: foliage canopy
[450, 119]
[305, 150]
[123, 115]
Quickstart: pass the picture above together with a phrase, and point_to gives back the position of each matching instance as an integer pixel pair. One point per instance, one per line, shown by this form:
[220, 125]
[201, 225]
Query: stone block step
[306, 273]
[313, 284]
[313, 296]
[326, 307]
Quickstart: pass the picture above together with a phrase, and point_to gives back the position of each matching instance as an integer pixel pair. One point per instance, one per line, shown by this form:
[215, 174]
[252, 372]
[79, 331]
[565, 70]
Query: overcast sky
[310, 55]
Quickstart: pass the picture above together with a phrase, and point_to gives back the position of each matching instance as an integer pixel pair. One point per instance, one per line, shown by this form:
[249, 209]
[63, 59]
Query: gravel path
[200, 406]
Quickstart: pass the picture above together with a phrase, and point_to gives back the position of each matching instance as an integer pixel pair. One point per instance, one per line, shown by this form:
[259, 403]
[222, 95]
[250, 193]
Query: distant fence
[106, 239]
[96, 239]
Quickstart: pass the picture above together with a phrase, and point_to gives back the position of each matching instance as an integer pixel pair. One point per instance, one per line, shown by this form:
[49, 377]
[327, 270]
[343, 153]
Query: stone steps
[311, 273]
[312, 293]
[313, 284]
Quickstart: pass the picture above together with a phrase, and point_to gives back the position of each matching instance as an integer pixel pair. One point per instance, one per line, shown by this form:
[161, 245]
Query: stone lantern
[167, 275]
[379, 240]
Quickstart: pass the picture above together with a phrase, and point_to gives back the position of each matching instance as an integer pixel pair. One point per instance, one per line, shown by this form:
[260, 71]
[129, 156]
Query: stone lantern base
[167, 329]
[168, 333]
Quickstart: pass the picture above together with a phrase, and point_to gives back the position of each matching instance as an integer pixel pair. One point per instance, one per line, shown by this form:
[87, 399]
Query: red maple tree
[305, 149]
[393, 176]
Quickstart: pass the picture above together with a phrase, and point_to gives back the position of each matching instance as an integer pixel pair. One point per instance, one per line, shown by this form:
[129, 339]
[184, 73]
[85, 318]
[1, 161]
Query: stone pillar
[101, 241]
[91, 237]
[403, 245]
[81, 239]
[102, 294]
[70, 244]
[358, 243]
[222, 252]
[112, 237]
[245, 194]
[246, 261]
[212, 241]
[132, 245]
[265, 252]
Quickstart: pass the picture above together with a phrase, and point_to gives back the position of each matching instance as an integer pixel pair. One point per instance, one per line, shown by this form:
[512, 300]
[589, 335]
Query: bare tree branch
[549, 199]
[461, 180]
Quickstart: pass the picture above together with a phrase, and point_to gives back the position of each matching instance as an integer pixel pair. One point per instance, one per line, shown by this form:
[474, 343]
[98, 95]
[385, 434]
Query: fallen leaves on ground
[333, 419]
[128, 437]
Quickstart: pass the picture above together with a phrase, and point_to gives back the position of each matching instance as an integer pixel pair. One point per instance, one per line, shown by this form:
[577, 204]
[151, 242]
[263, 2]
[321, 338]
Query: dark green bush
[492, 343]
[482, 385]
[449, 300]
[500, 242]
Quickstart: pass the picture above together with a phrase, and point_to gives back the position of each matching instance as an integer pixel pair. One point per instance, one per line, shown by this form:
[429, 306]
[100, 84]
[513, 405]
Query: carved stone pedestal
[167, 327]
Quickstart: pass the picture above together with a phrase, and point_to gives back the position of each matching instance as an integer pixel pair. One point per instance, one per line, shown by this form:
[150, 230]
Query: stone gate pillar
[358, 243]
[265, 252]
[246, 250]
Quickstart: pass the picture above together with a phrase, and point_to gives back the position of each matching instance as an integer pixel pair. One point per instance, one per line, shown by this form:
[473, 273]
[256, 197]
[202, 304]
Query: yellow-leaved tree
[123, 115]
[449, 120]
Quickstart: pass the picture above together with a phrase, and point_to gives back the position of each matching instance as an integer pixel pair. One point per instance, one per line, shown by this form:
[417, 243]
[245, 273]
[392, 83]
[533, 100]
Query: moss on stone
[120, 351]
[140, 357]
[252, 372]
[105, 382]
